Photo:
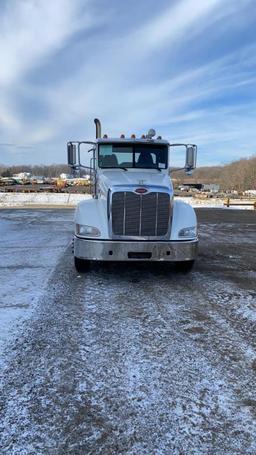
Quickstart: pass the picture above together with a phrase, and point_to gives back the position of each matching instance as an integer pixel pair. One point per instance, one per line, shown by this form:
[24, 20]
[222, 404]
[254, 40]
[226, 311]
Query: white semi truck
[132, 214]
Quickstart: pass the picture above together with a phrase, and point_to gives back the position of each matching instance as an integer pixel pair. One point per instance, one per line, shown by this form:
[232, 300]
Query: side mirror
[71, 154]
[191, 152]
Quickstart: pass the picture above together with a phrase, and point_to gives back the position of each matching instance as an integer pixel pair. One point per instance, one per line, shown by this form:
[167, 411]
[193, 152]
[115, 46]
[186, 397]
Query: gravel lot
[130, 359]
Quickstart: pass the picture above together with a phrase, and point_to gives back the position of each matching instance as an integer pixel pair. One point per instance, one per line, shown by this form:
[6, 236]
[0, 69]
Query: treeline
[52, 170]
[239, 175]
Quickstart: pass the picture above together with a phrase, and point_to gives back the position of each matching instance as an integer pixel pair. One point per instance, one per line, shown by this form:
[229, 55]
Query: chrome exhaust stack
[98, 128]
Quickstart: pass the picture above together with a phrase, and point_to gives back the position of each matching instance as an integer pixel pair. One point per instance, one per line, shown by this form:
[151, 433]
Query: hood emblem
[141, 190]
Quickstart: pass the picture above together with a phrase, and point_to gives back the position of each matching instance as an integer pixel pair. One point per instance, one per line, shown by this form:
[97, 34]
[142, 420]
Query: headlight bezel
[188, 232]
[86, 230]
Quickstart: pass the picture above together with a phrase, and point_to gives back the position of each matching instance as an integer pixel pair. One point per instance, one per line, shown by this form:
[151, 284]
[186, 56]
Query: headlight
[188, 232]
[83, 230]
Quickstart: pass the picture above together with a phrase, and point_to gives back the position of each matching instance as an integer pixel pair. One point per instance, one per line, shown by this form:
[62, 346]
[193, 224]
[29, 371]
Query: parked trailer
[132, 215]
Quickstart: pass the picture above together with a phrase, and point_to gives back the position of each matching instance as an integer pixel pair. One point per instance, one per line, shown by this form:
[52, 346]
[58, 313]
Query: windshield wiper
[156, 168]
[114, 167]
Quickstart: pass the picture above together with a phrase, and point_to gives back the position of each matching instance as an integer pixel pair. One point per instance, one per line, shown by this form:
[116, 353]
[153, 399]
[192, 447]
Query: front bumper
[109, 250]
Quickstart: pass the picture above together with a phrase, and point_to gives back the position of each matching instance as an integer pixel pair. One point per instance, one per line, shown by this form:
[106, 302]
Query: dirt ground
[139, 359]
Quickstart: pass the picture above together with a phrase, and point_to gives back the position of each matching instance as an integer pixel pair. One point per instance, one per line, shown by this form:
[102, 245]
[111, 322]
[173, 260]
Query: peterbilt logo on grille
[141, 190]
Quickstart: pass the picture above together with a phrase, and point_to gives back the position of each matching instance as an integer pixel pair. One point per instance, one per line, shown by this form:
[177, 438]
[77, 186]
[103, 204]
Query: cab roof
[130, 140]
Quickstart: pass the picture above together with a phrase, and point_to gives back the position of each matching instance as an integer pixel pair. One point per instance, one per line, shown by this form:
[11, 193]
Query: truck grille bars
[140, 215]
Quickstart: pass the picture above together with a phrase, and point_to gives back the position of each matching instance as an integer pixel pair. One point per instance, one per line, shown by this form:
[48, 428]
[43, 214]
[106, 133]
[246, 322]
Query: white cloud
[31, 31]
[8, 119]
[117, 78]
[174, 22]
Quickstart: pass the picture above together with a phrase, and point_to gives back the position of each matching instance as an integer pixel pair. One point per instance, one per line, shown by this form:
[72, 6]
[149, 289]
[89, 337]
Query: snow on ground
[211, 202]
[130, 358]
[30, 245]
[21, 199]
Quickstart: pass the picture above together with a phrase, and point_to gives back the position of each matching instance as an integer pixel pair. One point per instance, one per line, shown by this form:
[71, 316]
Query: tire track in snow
[108, 365]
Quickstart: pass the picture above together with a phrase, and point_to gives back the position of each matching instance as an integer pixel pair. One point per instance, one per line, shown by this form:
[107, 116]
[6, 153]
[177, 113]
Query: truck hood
[119, 177]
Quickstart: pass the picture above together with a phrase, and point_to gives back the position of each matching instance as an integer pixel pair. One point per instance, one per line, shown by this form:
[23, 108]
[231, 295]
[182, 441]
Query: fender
[93, 212]
[183, 216]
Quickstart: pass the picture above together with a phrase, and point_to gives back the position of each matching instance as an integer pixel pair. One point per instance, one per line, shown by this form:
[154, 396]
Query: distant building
[212, 187]
[189, 186]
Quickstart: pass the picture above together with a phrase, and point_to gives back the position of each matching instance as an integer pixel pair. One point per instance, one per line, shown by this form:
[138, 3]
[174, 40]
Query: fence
[229, 203]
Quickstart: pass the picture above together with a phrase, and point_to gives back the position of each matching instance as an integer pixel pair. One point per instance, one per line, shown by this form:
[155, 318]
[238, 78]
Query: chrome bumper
[108, 250]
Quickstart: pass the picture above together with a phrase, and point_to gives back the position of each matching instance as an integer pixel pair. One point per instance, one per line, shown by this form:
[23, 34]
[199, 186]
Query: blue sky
[186, 68]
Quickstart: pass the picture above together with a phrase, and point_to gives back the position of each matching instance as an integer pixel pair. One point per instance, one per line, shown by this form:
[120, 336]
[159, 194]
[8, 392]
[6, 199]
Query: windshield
[147, 156]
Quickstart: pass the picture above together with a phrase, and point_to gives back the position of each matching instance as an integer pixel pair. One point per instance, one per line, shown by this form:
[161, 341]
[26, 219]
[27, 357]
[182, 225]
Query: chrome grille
[145, 215]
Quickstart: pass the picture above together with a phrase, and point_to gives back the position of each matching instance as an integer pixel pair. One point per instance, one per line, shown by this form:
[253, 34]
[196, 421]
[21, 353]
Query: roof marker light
[122, 136]
[159, 137]
[143, 136]
[133, 136]
[105, 136]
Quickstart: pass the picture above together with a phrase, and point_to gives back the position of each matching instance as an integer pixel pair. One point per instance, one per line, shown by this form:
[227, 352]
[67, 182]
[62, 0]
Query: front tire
[81, 265]
[184, 266]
